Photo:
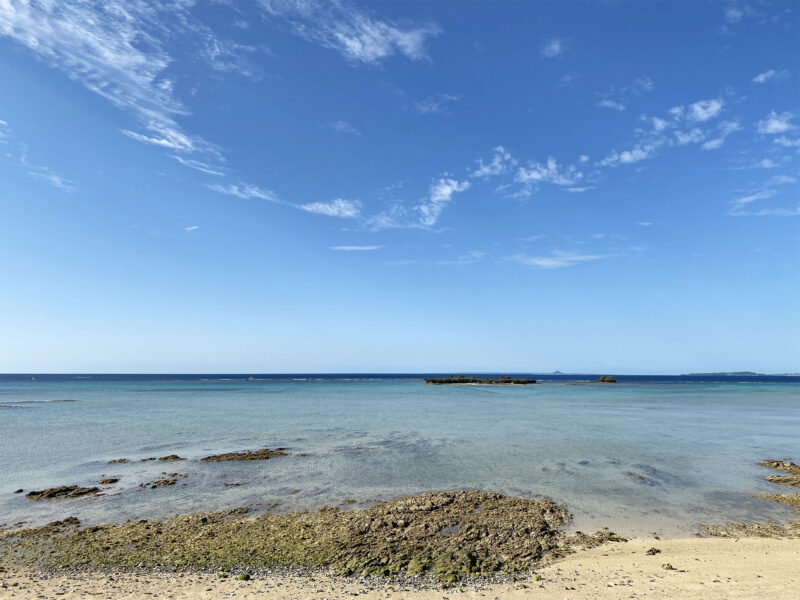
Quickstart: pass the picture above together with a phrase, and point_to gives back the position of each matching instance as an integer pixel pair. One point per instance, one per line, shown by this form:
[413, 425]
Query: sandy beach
[701, 568]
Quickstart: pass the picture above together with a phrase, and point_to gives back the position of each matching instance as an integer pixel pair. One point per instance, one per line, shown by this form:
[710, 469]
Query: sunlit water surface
[695, 445]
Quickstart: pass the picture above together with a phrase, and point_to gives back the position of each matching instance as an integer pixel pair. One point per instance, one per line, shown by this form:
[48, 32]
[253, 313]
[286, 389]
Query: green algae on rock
[171, 458]
[262, 454]
[63, 491]
[449, 535]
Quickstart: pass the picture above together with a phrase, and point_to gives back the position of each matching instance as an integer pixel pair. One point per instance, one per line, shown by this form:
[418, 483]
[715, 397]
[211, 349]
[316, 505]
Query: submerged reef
[770, 529]
[462, 380]
[447, 535]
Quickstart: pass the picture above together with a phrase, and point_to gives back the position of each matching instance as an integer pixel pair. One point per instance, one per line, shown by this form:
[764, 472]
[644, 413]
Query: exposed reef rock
[171, 458]
[262, 454]
[449, 535]
[64, 491]
[108, 481]
[118, 461]
[607, 379]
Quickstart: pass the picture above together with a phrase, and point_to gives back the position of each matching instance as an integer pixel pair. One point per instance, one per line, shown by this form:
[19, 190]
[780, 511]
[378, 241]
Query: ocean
[648, 454]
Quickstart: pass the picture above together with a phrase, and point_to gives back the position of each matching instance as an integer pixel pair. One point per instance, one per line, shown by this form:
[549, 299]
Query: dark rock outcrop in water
[171, 458]
[108, 481]
[607, 379]
[64, 491]
[262, 454]
[447, 535]
[462, 380]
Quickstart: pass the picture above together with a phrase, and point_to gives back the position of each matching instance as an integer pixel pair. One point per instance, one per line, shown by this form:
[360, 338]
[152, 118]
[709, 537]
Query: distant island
[461, 380]
[729, 374]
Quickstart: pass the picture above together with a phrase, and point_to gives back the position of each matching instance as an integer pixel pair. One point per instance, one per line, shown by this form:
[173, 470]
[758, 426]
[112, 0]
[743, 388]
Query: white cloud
[344, 127]
[355, 248]
[465, 259]
[246, 192]
[627, 157]
[192, 228]
[645, 223]
[659, 124]
[583, 158]
[765, 163]
[612, 104]
[549, 171]
[765, 76]
[567, 79]
[502, 162]
[787, 142]
[436, 104]
[776, 123]
[704, 110]
[693, 136]
[619, 99]
[441, 193]
[771, 75]
[741, 206]
[580, 189]
[45, 173]
[346, 209]
[114, 49]
[552, 48]
[734, 14]
[556, 260]
[198, 165]
[346, 28]
[725, 129]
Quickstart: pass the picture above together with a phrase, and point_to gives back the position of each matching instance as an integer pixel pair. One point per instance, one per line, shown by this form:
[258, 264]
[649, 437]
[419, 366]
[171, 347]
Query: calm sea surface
[694, 442]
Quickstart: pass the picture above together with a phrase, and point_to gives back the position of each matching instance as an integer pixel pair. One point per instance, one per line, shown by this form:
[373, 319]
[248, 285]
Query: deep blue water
[694, 441]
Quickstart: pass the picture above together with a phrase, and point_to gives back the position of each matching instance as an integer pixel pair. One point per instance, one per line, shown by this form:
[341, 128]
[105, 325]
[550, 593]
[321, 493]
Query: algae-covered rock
[108, 481]
[170, 458]
[64, 491]
[449, 535]
[262, 454]
[607, 379]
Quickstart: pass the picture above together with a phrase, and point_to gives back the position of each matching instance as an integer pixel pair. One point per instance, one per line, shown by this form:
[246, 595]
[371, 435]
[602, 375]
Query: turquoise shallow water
[694, 444]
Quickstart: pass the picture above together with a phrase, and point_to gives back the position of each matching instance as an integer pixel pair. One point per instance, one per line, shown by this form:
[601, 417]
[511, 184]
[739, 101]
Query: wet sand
[702, 568]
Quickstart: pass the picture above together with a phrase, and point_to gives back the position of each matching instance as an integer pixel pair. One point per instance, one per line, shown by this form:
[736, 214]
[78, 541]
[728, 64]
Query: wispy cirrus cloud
[464, 259]
[198, 165]
[352, 31]
[345, 209]
[557, 259]
[442, 191]
[724, 129]
[355, 248]
[18, 154]
[438, 104]
[618, 99]
[191, 228]
[114, 49]
[771, 75]
[743, 204]
[45, 173]
[246, 191]
[342, 126]
[501, 163]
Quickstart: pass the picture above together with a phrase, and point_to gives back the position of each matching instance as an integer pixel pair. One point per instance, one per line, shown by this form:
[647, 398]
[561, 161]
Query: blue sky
[295, 186]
